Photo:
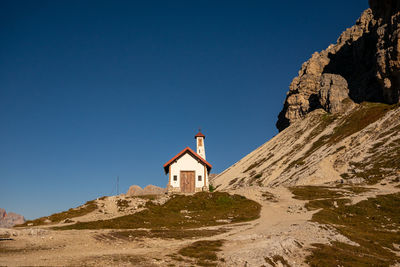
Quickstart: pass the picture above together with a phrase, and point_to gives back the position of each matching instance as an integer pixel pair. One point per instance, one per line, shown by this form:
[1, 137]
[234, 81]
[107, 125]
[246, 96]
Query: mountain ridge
[363, 65]
[10, 219]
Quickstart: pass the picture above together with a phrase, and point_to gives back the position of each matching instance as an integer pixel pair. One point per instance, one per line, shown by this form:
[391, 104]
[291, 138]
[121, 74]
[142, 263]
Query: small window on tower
[199, 178]
[200, 142]
[175, 177]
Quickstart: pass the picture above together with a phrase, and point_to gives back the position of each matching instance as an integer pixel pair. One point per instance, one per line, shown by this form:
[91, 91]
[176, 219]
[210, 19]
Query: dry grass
[204, 252]
[233, 181]
[315, 192]
[381, 164]
[373, 223]
[269, 197]
[163, 234]
[258, 163]
[182, 212]
[114, 260]
[14, 250]
[277, 261]
[147, 197]
[122, 204]
[87, 208]
[366, 114]
[6, 235]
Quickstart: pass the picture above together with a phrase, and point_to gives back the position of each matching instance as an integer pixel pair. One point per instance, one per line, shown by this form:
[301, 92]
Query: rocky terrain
[291, 230]
[324, 192]
[363, 65]
[136, 190]
[359, 146]
[10, 219]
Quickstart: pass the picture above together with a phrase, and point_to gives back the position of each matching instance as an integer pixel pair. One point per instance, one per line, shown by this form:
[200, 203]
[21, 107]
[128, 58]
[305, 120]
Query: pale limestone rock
[136, 190]
[332, 93]
[8, 220]
[366, 56]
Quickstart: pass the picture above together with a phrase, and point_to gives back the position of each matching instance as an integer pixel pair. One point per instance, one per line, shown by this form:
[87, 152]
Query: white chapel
[188, 171]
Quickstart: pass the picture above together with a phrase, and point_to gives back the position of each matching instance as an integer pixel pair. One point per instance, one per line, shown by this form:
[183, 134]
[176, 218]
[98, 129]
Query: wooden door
[187, 181]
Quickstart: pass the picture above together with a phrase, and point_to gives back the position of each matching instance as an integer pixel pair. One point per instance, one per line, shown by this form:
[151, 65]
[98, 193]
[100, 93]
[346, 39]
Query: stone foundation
[177, 190]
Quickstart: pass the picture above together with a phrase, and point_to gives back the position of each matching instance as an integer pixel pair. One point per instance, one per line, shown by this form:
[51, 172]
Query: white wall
[187, 163]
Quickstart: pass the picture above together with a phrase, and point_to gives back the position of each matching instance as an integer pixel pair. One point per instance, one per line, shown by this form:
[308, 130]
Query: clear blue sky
[92, 90]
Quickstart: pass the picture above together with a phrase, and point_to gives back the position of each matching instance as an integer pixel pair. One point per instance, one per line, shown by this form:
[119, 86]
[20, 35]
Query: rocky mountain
[364, 65]
[136, 190]
[10, 219]
[341, 117]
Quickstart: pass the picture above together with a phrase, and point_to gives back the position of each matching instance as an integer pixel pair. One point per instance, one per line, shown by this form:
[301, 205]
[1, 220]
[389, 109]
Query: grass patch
[257, 163]
[325, 204]
[113, 260]
[382, 163]
[122, 204]
[204, 251]
[87, 208]
[182, 212]
[357, 189]
[257, 176]
[373, 223]
[315, 192]
[147, 197]
[23, 250]
[363, 116]
[163, 234]
[233, 181]
[345, 176]
[269, 197]
[277, 261]
[6, 235]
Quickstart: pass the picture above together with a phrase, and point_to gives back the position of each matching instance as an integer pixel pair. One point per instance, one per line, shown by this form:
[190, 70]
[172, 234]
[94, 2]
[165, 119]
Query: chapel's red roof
[199, 134]
[187, 150]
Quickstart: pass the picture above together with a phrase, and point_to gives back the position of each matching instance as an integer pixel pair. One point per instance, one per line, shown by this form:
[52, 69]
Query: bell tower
[200, 144]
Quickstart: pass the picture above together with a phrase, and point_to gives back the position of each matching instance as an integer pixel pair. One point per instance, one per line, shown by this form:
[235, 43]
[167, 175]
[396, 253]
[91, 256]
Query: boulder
[333, 91]
[136, 190]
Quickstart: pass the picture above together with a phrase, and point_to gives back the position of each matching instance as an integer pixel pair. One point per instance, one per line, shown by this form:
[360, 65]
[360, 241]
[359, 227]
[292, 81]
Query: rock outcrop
[136, 190]
[364, 65]
[10, 219]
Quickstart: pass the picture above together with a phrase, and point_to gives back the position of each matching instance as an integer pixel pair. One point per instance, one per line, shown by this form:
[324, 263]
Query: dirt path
[283, 229]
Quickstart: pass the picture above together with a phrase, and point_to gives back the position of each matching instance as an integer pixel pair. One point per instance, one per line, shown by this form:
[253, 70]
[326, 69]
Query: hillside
[359, 146]
[340, 121]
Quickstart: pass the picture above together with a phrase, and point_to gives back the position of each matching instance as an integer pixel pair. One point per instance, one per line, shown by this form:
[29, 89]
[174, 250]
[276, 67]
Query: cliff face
[364, 65]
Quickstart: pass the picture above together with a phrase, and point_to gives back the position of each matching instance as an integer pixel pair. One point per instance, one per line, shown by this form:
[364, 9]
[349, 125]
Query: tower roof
[199, 134]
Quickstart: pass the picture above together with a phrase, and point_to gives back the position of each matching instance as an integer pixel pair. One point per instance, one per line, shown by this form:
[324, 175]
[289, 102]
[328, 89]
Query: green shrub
[211, 188]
